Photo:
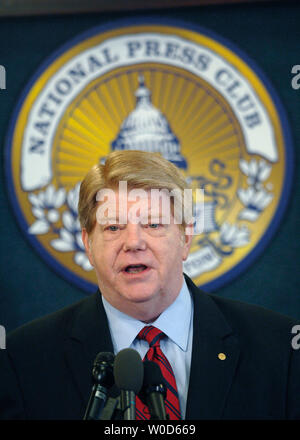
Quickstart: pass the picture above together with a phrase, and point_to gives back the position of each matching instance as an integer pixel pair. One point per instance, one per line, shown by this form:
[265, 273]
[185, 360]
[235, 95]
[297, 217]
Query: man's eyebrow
[106, 219]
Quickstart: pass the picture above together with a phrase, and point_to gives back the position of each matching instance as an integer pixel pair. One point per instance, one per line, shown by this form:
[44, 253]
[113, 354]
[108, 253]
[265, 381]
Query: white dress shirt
[176, 322]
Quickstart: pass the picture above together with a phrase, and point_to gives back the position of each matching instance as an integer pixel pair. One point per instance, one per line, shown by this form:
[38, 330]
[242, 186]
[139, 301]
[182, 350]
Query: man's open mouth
[135, 268]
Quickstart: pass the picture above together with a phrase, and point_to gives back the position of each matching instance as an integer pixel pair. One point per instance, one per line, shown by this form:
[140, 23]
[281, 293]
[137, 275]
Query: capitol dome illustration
[147, 129]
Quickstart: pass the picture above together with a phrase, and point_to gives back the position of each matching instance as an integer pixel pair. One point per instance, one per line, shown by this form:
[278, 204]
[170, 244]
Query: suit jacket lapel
[88, 335]
[210, 375]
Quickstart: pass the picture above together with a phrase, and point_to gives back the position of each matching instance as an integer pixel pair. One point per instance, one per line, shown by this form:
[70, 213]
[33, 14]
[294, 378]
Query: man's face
[138, 263]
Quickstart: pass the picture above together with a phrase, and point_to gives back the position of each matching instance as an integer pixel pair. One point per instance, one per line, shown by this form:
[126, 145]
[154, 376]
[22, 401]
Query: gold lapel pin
[222, 356]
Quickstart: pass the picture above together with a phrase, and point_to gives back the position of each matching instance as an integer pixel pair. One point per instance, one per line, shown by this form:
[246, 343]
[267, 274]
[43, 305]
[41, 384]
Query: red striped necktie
[153, 336]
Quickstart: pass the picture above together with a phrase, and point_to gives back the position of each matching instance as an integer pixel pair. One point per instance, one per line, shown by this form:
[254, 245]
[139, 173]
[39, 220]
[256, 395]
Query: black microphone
[112, 409]
[153, 392]
[128, 372]
[103, 379]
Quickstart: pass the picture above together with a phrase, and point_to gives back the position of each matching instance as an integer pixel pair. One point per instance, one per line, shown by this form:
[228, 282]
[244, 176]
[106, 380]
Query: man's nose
[134, 239]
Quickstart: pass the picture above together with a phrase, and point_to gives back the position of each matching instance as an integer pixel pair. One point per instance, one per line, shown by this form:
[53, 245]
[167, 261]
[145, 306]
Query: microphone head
[128, 370]
[153, 381]
[105, 357]
[103, 369]
[152, 374]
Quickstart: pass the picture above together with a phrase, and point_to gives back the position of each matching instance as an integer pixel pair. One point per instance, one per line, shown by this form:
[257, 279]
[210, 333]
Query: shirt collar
[174, 322]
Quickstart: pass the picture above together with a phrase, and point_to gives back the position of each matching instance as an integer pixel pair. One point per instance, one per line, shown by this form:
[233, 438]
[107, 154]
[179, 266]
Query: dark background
[268, 32]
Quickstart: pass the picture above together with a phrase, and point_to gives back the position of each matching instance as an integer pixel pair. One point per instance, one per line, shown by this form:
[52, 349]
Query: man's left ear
[187, 238]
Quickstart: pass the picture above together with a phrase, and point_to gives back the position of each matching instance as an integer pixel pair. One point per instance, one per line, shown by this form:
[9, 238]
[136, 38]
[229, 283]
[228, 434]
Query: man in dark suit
[228, 360]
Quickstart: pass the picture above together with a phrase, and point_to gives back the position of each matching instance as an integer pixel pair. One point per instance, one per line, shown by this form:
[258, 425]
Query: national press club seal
[169, 87]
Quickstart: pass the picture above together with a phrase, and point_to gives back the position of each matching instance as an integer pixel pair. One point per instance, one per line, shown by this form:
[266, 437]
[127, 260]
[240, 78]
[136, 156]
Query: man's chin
[139, 296]
[145, 308]
[144, 304]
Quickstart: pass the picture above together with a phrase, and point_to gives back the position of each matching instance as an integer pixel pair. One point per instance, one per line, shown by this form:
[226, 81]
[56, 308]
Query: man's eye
[112, 228]
[154, 225]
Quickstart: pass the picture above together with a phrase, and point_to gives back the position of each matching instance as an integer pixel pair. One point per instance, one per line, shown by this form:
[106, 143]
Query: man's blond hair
[139, 169]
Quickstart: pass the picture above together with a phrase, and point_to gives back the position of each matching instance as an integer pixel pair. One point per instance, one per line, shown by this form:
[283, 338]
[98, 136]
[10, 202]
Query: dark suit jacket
[45, 371]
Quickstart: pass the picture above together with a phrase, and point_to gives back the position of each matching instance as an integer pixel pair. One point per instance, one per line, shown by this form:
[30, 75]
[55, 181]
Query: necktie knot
[152, 335]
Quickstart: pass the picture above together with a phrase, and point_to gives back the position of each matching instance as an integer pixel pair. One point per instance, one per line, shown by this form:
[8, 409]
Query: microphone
[154, 391]
[112, 409]
[128, 372]
[103, 379]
